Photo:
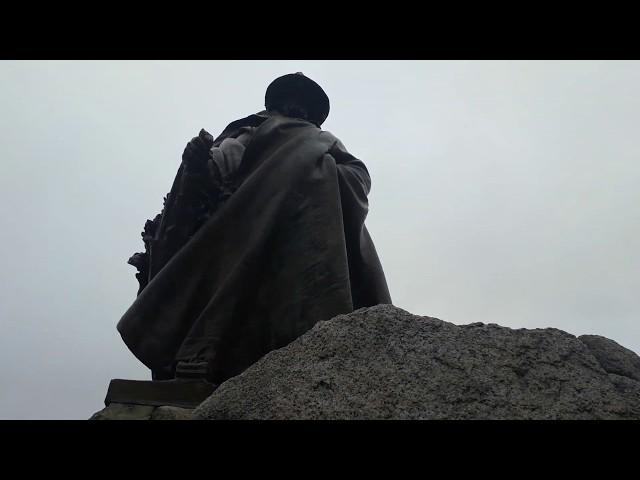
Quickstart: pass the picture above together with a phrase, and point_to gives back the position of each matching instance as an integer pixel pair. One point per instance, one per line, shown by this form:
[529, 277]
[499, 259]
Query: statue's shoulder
[337, 147]
[330, 140]
[253, 120]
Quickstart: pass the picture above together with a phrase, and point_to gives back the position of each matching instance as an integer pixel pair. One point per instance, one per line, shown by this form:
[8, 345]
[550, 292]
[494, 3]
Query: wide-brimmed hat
[299, 88]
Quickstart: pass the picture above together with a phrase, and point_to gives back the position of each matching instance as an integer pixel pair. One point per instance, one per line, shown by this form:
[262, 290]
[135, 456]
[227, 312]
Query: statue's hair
[291, 108]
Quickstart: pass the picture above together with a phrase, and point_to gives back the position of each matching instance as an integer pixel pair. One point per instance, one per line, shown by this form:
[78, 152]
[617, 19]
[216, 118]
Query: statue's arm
[351, 167]
[354, 182]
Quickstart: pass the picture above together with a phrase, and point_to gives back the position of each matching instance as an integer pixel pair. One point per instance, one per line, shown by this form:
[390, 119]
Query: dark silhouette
[261, 236]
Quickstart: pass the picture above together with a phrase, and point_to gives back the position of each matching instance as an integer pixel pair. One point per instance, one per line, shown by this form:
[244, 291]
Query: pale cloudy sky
[503, 192]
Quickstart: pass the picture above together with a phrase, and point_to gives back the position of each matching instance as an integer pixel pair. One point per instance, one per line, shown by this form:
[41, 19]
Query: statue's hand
[196, 153]
[206, 137]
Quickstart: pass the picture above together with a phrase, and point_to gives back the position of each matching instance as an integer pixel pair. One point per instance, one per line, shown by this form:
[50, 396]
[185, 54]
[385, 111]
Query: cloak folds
[288, 249]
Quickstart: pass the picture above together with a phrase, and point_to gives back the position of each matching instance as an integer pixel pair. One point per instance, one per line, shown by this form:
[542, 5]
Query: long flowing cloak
[289, 248]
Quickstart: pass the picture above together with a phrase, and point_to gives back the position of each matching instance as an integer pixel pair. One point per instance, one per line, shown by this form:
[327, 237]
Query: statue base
[153, 399]
[180, 392]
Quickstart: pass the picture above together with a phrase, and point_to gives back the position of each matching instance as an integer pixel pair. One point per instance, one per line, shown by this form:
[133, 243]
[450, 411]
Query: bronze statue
[261, 236]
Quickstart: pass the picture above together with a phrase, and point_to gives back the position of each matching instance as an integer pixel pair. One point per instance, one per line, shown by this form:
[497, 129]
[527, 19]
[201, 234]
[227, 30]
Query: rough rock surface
[384, 363]
[171, 413]
[123, 411]
[613, 357]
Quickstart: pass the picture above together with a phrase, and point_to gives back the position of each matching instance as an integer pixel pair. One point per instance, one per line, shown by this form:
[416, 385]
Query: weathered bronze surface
[261, 236]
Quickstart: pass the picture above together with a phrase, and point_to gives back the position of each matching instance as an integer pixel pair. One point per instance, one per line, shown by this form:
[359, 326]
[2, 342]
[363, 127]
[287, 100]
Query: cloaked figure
[261, 236]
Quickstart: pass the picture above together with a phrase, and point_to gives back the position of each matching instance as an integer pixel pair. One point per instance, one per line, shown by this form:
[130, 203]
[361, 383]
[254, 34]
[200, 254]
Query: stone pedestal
[153, 400]
[124, 411]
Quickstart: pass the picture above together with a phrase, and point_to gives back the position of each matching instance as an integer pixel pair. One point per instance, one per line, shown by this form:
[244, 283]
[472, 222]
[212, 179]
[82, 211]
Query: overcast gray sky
[503, 192]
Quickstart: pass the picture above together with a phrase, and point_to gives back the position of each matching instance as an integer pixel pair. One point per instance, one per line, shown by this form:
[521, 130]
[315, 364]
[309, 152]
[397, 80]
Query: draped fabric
[287, 249]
